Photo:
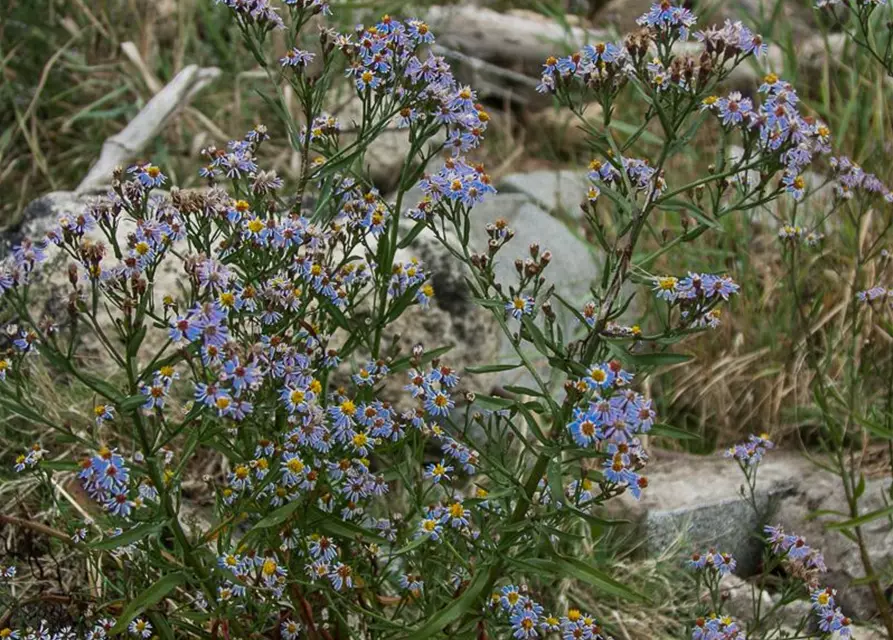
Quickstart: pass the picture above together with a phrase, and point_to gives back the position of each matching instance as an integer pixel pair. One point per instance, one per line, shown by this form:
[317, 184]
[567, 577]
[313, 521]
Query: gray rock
[572, 270]
[739, 597]
[558, 192]
[453, 318]
[821, 492]
[573, 267]
[383, 160]
[559, 129]
[694, 502]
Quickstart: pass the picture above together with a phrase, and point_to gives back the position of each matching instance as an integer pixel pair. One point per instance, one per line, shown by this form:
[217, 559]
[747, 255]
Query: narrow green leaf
[860, 488]
[492, 368]
[277, 517]
[60, 465]
[403, 364]
[865, 519]
[131, 402]
[412, 235]
[487, 302]
[533, 425]
[536, 336]
[412, 545]
[147, 598]
[492, 402]
[553, 477]
[326, 523]
[649, 359]
[162, 626]
[135, 534]
[523, 391]
[453, 611]
[597, 578]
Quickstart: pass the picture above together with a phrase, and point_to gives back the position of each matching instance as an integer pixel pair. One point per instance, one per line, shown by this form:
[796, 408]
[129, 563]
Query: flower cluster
[98, 631]
[456, 183]
[29, 459]
[607, 67]
[794, 234]
[713, 560]
[774, 130]
[639, 175]
[16, 269]
[411, 277]
[795, 551]
[751, 451]
[106, 478]
[850, 179]
[829, 616]
[697, 295]
[259, 13]
[716, 627]
[611, 421]
[528, 620]
[823, 4]
[383, 60]
[876, 294]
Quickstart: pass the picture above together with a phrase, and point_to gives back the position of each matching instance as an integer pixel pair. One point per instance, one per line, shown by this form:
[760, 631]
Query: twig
[38, 527]
[150, 121]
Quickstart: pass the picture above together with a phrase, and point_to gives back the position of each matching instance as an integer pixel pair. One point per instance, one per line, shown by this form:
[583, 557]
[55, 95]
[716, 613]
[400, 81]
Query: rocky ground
[695, 502]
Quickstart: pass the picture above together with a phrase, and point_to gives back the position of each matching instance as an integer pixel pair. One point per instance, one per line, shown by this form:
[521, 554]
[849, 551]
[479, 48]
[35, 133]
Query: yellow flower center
[598, 375]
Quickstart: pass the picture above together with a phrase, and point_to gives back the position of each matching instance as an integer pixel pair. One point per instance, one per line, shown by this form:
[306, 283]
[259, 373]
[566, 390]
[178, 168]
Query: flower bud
[548, 310]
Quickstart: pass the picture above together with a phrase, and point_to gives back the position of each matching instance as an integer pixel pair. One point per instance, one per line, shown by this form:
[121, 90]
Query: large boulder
[558, 192]
[696, 502]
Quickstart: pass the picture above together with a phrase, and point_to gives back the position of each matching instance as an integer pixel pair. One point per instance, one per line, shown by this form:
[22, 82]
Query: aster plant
[340, 510]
